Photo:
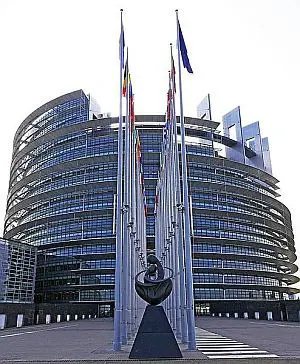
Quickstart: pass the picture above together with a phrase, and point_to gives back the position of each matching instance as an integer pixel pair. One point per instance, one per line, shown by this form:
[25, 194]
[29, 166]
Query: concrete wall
[12, 310]
[288, 310]
[64, 310]
[45, 313]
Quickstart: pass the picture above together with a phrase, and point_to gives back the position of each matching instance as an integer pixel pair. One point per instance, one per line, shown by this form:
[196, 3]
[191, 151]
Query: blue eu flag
[122, 44]
[183, 51]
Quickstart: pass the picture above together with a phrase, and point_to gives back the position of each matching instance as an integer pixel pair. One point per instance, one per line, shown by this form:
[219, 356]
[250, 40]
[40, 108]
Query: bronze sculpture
[155, 288]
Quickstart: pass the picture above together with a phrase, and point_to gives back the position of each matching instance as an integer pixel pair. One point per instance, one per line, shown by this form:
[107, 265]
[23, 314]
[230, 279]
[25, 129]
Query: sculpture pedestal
[155, 338]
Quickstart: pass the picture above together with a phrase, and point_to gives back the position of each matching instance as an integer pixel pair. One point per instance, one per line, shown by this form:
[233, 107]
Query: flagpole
[126, 209]
[119, 222]
[186, 220]
[134, 236]
[174, 203]
[171, 198]
[133, 216]
[179, 253]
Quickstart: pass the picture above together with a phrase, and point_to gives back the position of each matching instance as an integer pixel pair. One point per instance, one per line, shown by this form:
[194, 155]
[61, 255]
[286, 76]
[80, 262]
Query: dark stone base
[155, 338]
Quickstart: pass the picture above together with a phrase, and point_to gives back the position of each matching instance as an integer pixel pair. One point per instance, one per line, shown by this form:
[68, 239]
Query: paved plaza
[219, 340]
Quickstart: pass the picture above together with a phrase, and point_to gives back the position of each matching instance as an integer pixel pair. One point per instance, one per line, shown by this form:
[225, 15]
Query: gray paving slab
[76, 340]
[90, 341]
[177, 361]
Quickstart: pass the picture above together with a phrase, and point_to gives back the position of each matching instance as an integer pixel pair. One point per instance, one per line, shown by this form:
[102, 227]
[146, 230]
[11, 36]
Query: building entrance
[202, 309]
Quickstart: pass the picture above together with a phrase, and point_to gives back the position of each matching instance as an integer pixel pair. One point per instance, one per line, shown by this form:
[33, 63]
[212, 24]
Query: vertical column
[232, 128]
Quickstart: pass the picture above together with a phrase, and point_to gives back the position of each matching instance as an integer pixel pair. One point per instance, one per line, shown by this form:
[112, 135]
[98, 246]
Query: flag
[156, 199]
[173, 72]
[145, 204]
[142, 176]
[166, 129]
[183, 51]
[122, 44]
[125, 80]
[143, 191]
[138, 148]
[131, 106]
[169, 98]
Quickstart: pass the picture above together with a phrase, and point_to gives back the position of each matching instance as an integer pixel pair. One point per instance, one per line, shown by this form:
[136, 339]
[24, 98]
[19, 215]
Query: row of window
[233, 208]
[232, 293]
[57, 282]
[199, 150]
[234, 264]
[93, 201]
[50, 149]
[57, 268]
[86, 143]
[238, 236]
[207, 195]
[67, 229]
[201, 226]
[62, 204]
[57, 296]
[231, 249]
[91, 279]
[56, 152]
[97, 295]
[153, 164]
[199, 293]
[57, 264]
[234, 279]
[81, 250]
[65, 114]
[73, 264]
[199, 172]
[203, 221]
[101, 172]
[98, 279]
[81, 144]
[96, 264]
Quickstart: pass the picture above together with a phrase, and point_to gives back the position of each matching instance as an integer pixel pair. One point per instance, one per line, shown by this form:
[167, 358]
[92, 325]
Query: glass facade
[62, 200]
[17, 272]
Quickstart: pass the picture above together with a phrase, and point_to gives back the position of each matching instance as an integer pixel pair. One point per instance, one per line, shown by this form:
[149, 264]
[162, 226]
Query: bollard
[2, 321]
[227, 314]
[256, 315]
[269, 315]
[220, 315]
[68, 317]
[48, 319]
[20, 319]
[236, 315]
[58, 318]
[76, 317]
[245, 315]
[83, 317]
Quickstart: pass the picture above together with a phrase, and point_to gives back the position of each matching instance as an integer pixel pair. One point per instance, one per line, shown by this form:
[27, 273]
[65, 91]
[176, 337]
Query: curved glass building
[62, 198]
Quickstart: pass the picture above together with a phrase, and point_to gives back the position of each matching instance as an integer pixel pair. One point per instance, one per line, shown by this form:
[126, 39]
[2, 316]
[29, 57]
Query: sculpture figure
[155, 288]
